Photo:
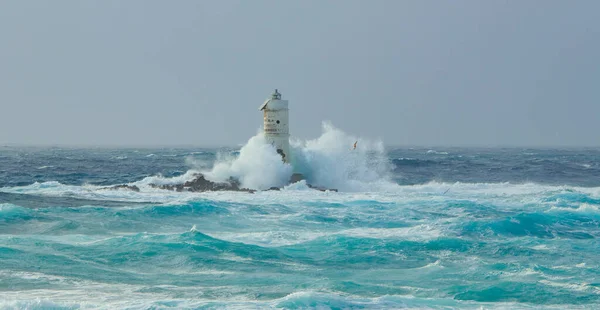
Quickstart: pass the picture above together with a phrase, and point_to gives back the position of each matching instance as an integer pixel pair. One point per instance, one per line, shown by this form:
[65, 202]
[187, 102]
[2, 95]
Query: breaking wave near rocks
[197, 228]
[328, 161]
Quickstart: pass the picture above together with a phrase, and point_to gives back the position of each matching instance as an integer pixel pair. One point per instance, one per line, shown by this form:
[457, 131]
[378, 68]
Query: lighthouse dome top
[276, 95]
[274, 102]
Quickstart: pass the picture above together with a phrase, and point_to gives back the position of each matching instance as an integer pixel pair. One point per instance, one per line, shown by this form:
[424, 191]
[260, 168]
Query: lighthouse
[276, 126]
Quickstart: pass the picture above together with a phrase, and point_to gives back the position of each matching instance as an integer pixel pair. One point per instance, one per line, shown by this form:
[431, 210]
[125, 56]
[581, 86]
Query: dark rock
[201, 184]
[296, 177]
[129, 187]
[323, 189]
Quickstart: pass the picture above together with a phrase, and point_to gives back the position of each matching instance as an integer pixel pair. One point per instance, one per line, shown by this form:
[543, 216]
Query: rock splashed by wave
[328, 161]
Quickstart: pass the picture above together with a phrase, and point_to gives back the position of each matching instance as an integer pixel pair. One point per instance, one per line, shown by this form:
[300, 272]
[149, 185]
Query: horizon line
[235, 145]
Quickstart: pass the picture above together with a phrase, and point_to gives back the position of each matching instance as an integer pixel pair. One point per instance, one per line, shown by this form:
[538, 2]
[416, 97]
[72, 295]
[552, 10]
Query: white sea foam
[258, 166]
[327, 161]
[497, 193]
[95, 192]
[415, 233]
[579, 287]
[582, 208]
[300, 299]
[542, 247]
[160, 180]
[436, 152]
[37, 276]
[270, 238]
[275, 238]
[298, 186]
[9, 208]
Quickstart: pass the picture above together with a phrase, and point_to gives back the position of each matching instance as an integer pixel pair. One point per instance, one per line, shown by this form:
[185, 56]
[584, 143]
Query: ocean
[408, 228]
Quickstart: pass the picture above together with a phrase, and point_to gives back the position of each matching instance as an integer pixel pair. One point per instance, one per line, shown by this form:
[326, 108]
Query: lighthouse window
[277, 121]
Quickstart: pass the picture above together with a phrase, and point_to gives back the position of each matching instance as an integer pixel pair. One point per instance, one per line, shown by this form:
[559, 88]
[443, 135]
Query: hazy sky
[488, 73]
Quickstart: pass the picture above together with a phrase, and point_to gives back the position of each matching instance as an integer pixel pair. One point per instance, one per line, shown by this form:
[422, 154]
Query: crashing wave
[326, 162]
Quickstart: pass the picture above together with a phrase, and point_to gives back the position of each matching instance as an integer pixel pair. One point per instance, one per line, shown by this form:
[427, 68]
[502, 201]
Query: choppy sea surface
[418, 228]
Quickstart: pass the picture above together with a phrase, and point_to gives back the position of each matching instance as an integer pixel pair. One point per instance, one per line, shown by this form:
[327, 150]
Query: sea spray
[329, 161]
[332, 161]
[161, 180]
[258, 166]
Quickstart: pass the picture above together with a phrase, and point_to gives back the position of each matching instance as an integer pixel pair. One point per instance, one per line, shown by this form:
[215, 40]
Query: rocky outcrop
[323, 189]
[296, 177]
[200, 184]
[125, 186]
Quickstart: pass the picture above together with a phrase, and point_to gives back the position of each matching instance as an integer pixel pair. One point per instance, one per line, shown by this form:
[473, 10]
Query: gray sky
[486, 73]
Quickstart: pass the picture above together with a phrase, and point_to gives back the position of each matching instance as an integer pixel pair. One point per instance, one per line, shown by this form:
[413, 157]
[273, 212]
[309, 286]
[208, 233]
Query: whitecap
[578, 287]
[436, 152]
[582, 208]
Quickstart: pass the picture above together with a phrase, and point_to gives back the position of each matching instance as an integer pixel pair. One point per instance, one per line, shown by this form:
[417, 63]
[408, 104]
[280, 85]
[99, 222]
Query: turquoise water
[506, 230]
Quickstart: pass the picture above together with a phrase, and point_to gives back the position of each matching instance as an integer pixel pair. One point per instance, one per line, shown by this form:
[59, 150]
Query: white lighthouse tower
[276, 126]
